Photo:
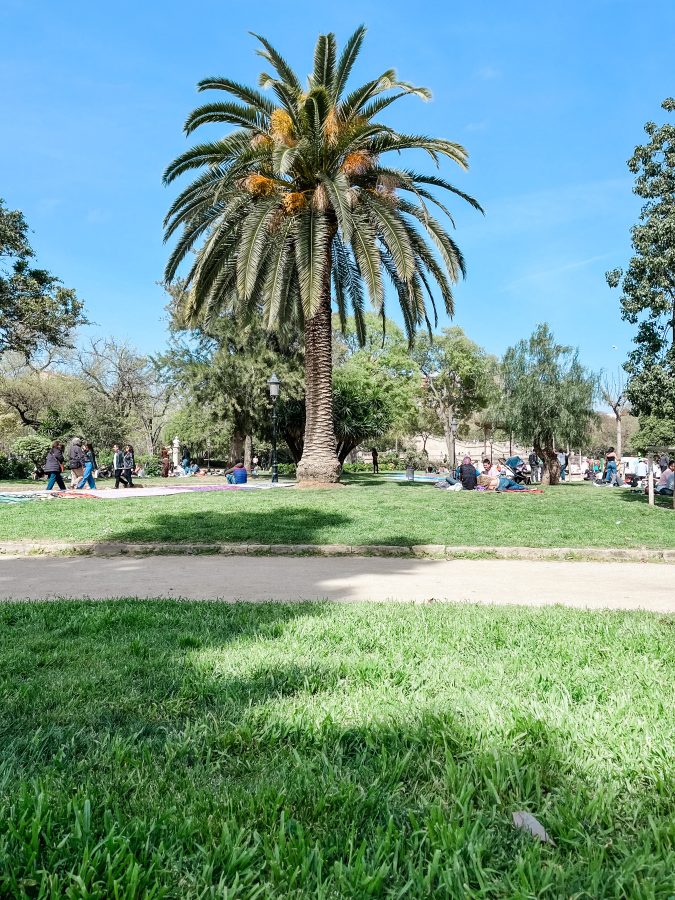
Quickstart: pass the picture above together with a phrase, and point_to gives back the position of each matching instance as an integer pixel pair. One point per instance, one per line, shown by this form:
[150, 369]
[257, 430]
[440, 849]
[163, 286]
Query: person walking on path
[166, 463]
[76, 461]
[376, 461]
[610, 466]
[89, 466]
[54, 466]
[118, 467]
[129, 464]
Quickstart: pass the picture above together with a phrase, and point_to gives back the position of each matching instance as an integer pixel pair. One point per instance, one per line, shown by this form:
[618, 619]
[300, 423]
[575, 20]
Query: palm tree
[300, 195]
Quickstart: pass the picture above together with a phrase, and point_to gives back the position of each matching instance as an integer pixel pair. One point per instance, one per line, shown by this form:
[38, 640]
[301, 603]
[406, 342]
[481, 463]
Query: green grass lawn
[289, 751]
[367, 511]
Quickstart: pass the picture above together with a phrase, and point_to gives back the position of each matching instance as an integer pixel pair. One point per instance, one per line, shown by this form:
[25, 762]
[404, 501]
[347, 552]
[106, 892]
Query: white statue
[176, 451]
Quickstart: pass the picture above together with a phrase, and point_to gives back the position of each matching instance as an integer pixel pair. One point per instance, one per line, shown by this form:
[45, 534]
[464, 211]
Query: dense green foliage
[548, 396]
[457, 377]
[648, 285]
[165, 749]
[36, 312]
[367, 511]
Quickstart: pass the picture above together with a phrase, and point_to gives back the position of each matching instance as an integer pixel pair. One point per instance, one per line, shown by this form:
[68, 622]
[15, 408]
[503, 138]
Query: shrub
[32, 447]
[287, 469]
[151, 464]
[13, 468]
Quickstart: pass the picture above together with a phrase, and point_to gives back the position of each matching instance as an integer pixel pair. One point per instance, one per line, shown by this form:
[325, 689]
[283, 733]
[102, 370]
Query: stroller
[517, 469]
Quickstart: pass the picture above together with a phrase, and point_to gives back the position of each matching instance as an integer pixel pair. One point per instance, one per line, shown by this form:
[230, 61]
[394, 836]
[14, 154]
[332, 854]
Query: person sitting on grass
[237, 474]
[467, 474]
[666, 483]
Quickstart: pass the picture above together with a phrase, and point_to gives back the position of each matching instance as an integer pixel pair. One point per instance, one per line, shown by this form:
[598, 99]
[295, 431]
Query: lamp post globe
[274, 385]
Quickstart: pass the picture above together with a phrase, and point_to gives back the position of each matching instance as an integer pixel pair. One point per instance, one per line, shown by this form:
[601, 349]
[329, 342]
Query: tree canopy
[36, 311]
[548, 396]
[457, 377]
[648, 285]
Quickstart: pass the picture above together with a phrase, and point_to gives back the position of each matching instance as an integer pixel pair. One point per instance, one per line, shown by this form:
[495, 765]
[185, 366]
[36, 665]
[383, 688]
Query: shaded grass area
[193, 750]
[367, 511]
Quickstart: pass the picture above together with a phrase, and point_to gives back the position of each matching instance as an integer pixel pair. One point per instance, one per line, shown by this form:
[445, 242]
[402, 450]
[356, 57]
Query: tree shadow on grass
[639, 497]
[419, 804]
[295, 525]
[281, 525]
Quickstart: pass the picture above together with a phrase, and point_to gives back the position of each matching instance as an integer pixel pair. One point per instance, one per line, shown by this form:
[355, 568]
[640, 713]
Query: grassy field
[366, 511]
[173, 750]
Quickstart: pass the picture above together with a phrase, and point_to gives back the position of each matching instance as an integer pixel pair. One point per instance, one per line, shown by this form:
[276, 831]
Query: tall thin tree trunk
[236, 448]
[248, 452]
[319, 461]
[619, 435]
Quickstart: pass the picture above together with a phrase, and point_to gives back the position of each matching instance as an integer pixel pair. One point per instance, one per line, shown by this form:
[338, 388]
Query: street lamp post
[274, 385]
[453, 428]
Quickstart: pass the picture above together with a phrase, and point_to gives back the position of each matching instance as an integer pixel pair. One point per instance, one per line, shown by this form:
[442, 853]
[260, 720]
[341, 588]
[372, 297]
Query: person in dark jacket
[118, 467]
[467, 474]
[129, 464]
[54, 466]
[76, 461]
[89, 466]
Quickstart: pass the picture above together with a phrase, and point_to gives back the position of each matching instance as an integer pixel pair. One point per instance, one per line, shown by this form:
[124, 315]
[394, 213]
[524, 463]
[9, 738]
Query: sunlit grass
[366, 511]
[193, 750]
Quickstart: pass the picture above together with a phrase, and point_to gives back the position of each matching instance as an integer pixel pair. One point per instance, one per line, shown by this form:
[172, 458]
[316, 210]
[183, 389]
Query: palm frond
[338, 189]
[213, 153]
[240, 91]
[366, 253]
[347, 60]
[450, 252]
[254, 233]
[435, 147]
[230, 113]
[278, 273]
[324, 61]
[311, 239]
[393, 233]
[347, 272]
[280, 65]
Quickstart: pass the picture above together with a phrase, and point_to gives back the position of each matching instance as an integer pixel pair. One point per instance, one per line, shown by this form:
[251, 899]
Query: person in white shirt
[641, 469]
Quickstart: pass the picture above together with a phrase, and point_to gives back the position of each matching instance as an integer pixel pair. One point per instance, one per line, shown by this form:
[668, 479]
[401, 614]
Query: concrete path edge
[16, 549]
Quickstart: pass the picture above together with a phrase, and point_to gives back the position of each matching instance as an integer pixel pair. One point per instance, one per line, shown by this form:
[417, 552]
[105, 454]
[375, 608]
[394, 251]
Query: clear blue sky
[549, 99]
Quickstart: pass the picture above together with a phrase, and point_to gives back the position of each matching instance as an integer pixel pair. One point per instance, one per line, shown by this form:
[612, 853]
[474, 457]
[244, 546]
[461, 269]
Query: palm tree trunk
[319, 461]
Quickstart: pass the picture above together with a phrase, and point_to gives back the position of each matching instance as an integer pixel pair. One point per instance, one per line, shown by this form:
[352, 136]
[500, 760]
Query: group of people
[83, 466]
[611, 471]
[489, 477]
[81, 462]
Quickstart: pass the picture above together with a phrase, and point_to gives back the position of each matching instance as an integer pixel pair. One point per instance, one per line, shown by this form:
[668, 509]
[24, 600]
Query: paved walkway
[529, 582]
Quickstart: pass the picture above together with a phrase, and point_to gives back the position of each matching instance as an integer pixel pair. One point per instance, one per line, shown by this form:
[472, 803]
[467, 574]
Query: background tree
[648, 285]
[456, 374]
[35, 310]
[613, 392]
[128, 388]
[299, 196]
[384, 354]
[223, 366]
[548, 396]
